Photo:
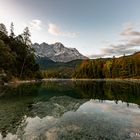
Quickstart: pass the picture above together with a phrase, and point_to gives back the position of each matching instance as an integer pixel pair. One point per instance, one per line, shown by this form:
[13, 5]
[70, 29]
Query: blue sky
[95, 27]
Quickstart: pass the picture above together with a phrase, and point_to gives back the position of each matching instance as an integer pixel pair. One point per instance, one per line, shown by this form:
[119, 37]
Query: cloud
[96, 56]
[128, 30]
[122, 48]
[55, 30]
[118, 50]
[128, 45]
[35, 24]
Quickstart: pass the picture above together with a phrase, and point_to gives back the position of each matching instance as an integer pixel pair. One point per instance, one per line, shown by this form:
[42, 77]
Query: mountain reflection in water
[70, 110]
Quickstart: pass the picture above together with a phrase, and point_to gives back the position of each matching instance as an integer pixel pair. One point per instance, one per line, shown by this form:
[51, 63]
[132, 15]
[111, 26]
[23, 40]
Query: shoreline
[60, 79]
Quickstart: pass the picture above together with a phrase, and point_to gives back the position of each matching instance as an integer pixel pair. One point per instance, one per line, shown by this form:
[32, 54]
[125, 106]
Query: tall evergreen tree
[12, 30]
[26, 40]
[26, 36]
[3, 28]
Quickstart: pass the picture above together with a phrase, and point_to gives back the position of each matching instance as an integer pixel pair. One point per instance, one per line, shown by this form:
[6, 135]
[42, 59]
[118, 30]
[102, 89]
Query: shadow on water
[17, 102]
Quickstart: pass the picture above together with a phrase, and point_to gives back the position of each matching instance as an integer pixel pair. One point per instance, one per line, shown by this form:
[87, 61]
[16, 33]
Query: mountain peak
[58, 44]
[36, 44]
[57, 52]
[44, 43]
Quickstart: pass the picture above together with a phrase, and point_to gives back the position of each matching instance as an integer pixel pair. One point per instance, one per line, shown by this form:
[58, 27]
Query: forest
[122, 67]
[18, 62]
[17, 59]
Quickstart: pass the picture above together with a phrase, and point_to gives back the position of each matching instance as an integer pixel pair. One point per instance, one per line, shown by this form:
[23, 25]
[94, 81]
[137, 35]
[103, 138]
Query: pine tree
[16, 58]
[26, 36]
[3, 28]
[26, 40]
[12, 35]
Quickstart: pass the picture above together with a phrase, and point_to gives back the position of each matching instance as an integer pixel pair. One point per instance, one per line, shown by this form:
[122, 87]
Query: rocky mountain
[57, 52]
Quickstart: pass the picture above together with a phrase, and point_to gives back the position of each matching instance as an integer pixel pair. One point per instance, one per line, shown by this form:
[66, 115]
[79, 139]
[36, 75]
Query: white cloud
[128, 30]
[35, 24]
[55, 30]
[129, 45]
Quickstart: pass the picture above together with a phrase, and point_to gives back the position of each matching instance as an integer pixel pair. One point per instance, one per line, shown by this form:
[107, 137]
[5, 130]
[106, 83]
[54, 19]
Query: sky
[97, 28]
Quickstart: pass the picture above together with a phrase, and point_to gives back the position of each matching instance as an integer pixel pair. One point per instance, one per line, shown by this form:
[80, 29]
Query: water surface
[70, 110]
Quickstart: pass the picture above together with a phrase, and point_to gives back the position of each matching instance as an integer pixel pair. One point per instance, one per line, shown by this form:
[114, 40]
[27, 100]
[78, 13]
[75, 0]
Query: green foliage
[3, 28]
[7, 57]
[123, 67]
[16, 57]
[51, 69]
[58, 73]
[12, 35]
[26, 36]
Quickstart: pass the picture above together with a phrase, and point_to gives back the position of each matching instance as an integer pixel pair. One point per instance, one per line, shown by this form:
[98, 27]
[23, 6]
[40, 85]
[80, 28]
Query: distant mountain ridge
[57, 52]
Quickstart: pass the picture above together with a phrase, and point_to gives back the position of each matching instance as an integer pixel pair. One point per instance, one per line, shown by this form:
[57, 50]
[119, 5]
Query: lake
[70, 110]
